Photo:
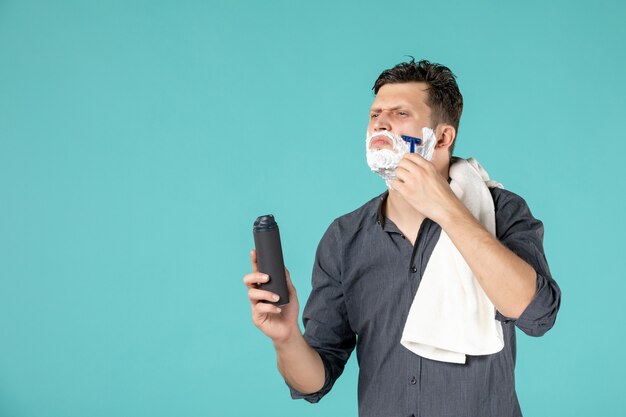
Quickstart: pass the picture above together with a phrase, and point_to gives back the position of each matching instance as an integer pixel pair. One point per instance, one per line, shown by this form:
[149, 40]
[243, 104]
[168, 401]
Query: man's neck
[400, 211]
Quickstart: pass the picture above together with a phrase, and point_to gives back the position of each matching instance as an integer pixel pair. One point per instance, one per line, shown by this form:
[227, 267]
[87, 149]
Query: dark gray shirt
[365, 276]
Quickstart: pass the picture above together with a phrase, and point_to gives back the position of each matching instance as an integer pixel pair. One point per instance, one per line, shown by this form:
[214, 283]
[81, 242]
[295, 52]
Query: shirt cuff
[540, 314]
[315, 396]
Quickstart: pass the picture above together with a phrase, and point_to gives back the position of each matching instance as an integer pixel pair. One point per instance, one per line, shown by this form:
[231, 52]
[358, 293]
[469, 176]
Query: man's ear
[446, 134]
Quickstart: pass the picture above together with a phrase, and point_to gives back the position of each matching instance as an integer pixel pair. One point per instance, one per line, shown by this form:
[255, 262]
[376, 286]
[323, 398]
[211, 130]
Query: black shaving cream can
[269, 256]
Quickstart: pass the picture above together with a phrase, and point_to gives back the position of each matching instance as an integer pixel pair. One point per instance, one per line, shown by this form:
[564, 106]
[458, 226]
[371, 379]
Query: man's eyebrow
[379, 109]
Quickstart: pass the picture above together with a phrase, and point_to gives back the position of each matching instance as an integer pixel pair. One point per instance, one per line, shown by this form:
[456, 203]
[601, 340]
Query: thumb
[290, 286]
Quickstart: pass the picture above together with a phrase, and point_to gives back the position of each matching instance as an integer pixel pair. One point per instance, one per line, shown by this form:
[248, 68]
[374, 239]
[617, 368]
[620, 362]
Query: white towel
[451, 315]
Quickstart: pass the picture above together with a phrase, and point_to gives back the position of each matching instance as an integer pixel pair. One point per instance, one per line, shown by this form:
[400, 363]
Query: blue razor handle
[412, 141]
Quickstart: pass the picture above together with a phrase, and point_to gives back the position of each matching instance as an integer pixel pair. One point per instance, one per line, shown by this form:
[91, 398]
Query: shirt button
[414, 269]
[402, 236]
[413, 381]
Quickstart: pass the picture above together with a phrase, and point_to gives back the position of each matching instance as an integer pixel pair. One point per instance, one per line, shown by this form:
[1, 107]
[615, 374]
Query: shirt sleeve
[325, 318]
[519, 231]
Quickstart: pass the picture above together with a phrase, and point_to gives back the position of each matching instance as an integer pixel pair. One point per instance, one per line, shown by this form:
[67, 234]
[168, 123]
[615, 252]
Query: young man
[371, 262]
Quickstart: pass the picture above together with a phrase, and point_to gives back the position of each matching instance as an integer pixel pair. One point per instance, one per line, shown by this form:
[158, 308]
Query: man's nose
[381, 122]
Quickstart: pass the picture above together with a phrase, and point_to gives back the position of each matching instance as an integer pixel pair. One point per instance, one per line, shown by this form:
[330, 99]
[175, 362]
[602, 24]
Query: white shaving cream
[385, 161]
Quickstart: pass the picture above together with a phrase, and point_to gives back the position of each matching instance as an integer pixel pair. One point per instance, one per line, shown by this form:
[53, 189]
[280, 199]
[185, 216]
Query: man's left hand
[419, 183]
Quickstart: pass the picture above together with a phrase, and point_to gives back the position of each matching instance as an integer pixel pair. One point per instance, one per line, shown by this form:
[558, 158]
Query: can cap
[265, 223]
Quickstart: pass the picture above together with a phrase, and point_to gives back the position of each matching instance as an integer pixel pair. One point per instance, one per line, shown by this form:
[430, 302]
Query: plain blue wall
[140, 139]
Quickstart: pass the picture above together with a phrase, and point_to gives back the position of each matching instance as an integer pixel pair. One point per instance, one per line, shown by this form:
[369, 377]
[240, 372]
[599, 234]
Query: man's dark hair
[444, 97]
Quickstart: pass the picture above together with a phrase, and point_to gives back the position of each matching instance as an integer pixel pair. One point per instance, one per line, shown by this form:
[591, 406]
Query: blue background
[140, 139]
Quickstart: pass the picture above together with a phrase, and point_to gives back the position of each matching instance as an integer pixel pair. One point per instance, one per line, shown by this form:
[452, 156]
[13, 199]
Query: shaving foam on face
[385, 161]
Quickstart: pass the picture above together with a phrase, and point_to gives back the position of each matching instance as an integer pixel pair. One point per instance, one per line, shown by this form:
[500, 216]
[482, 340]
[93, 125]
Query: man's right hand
[278, 323]
[299, 363]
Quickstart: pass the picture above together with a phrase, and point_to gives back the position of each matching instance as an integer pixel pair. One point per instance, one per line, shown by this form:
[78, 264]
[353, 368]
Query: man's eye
[373, 115]
[401, 113]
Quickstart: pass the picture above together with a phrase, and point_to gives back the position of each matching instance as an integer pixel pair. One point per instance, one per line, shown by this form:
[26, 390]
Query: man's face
[401, 109]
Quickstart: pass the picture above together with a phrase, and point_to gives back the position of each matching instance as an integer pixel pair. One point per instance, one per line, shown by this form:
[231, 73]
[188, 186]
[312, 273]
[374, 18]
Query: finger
[255, 266]
[403, 175]
[397, 185]
[256, 295]
[255, 278]
[409, 164]
[290, 287]
[264, 308]
[416, 159]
